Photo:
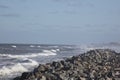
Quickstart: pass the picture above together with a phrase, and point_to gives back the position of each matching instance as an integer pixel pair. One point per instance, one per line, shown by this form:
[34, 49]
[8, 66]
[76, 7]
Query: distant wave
[113, 46]
[30, 55]
[13, 46]
[39, 46]
[57, 50]
[32, 46]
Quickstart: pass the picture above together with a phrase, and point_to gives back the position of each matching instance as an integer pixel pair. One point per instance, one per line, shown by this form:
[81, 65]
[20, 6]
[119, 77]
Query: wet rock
[24, 75]
[17, 78]
[27, 75]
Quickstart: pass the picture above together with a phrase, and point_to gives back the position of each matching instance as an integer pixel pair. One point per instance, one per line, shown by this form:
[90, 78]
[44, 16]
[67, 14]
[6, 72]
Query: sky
[59, 21]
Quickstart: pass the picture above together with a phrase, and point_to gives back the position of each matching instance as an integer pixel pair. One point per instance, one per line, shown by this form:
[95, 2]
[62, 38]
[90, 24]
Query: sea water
[18, 58]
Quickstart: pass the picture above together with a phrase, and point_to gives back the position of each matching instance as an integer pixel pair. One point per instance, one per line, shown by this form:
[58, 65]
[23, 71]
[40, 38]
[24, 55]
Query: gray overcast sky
[59, 21]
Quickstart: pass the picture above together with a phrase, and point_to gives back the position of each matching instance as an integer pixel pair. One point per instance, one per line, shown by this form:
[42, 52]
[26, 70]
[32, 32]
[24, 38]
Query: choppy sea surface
[18, 58]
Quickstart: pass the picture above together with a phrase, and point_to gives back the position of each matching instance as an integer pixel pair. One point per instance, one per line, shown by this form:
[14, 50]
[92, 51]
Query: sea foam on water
[5, 70]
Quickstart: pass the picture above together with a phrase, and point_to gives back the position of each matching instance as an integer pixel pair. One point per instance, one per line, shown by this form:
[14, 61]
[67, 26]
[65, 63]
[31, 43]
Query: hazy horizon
[59, 21]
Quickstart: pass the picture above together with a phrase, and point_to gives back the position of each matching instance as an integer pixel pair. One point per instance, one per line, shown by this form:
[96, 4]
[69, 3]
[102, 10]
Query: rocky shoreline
[98, 64]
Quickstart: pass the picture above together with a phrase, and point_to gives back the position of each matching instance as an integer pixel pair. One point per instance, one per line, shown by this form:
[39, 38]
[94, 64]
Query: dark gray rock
[98, 64]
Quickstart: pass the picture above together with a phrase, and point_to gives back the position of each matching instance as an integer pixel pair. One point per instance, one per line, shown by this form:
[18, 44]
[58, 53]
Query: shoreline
[98, 64]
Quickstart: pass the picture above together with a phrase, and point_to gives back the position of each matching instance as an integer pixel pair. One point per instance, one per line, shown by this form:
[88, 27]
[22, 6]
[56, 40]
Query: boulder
[98, 64]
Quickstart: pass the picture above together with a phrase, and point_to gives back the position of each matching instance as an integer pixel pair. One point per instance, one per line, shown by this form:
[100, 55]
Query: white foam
[12, 69]
[48, 52]
[55, 50]
[30, 55]
[32, 46]
[39, 46]
[13, 46]
[31, 63]
[86, 48]
[55, 46]
[18, 68]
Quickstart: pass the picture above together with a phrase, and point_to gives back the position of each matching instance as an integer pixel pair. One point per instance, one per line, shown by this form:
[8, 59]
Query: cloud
[9, 15]
[103, 27]
[71, 3]
[3, 6]
[72, 6]
[76, 3]
[89, 4]
[23, 0]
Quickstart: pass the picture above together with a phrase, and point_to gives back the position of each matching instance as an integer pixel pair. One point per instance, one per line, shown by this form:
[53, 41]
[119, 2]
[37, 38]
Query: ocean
[18, 58]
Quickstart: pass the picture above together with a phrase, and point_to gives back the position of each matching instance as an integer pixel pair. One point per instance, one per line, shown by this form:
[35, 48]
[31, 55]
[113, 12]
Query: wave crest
[12, 69]
[30, 55]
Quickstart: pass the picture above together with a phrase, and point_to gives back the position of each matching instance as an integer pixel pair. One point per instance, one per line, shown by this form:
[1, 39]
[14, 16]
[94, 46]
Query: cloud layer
[4, 6]
[9, 15]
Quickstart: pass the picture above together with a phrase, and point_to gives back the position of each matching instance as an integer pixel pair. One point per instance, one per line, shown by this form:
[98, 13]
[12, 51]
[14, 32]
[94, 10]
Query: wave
[113, 46]
[18, 67]
[13, 46]
[32, 46]
[21, 63]
[29, 62]
[55, 50]
[38, 46]
[31, 55]
[7, 70]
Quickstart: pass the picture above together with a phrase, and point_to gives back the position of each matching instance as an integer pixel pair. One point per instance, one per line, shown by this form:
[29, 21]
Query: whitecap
[30, 55]
[32, 46]
[30, 62]
[39, 46]
[13, 46]
[7, 70]
[55, 50]
[14, 69]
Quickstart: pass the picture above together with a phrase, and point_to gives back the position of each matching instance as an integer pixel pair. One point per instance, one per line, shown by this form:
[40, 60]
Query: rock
[27, 75]
[41, 68]
[17, 78]
[110, 74]
[57, 65]
[43, 78]
[98, 64]
[37, 74]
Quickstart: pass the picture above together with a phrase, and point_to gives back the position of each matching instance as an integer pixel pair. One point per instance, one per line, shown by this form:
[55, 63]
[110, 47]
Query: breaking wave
[18, 68]
[6, 70]
[15, 64]
[31, 55]
[13, 46]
